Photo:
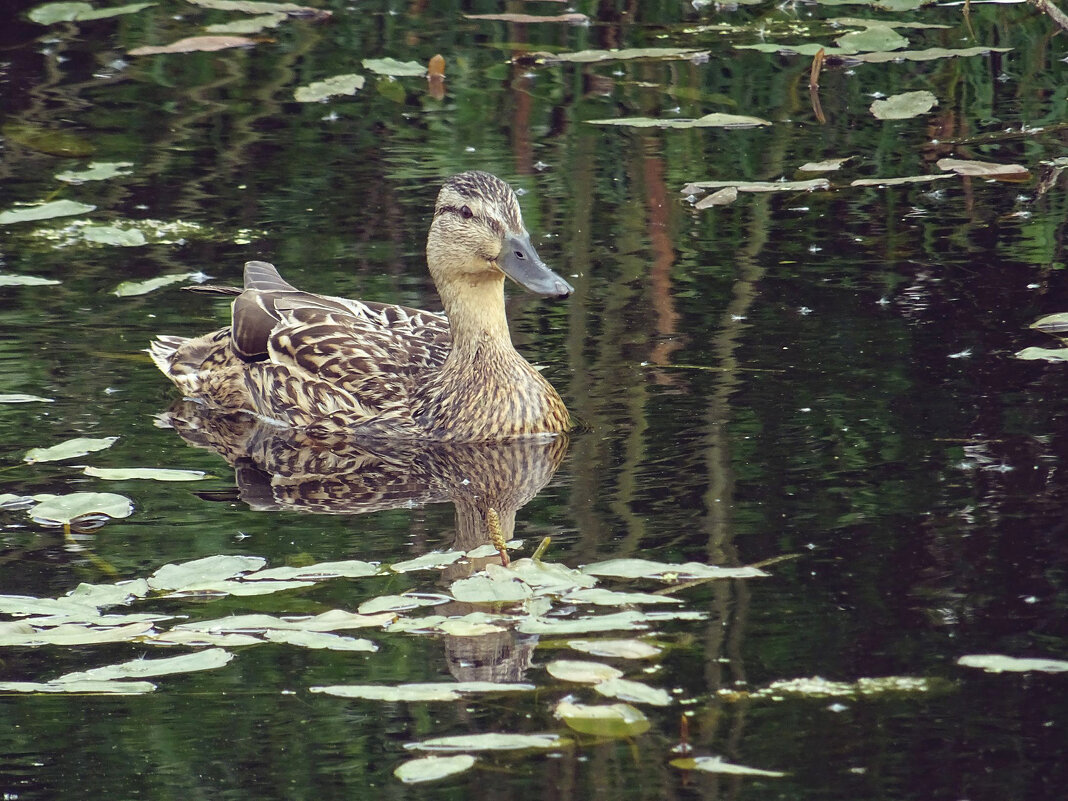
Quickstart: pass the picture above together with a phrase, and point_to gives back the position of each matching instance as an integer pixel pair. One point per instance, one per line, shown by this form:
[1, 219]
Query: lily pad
[602, 597]
[907, 179]
[431, 768]
[603, 720]
[79, 446]
[583, 625]
[26, 280]
[483, 589]
[571, 18]
[929, 54]
[544, 575]
[904, 106]
[44, 211]
[624, 54]
[715, 120]
[721, 197]
[827, 165]
[51, 13]
[418, 692]
[349, 568]
[334, 620]
[394, 68]
[873, 37]
[488, 742]
[201, 571]
[195, 44]
[1052, 323]
[147, 668]
[399, 603]
[713, 764]
[80, 687]
[428, 561]
[129, 289]
[77, 634]
[645, 568]
[95, 171]
[621, 649]
[982, 169]
[633, 691]
[113, 235]
[202, 639]
[19, 398]
[63, 509]
[1043, 354]
[321, 90]
[581, 672]
[998, 663]
[695, 187]
[259, 7]
[243, 27]
[319, 640]
[151, 473]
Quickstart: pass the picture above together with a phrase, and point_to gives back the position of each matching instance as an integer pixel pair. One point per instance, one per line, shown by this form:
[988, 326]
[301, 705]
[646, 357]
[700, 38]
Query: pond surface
[821, 382]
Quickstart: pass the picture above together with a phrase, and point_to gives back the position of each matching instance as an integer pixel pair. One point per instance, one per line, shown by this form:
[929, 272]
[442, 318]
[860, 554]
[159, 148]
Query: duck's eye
[466, 213]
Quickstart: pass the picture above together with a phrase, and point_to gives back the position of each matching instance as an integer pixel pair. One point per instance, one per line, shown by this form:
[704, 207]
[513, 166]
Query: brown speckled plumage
[328, 364]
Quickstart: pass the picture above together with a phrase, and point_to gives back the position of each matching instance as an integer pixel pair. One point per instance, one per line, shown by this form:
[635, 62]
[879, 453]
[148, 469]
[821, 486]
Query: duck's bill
[520, 262]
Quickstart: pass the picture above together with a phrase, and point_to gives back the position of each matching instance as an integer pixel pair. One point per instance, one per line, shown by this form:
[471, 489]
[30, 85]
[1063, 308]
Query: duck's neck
[475, 308]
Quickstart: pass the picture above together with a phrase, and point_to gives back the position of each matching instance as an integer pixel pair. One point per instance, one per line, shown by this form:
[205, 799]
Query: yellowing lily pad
[79, 446]
[426, 769]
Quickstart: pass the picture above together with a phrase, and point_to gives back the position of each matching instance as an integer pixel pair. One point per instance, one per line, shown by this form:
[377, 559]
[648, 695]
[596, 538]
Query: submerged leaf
[998, 663]
[713, 764]
[904, 106]
[427, 769]
[715, 120]
[488, 742]
[79, 446]
[195, 44]
[321, 90]
[66, 508]
[44, 211]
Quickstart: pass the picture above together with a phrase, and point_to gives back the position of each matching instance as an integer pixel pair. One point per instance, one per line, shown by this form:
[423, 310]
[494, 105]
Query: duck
[331, 366]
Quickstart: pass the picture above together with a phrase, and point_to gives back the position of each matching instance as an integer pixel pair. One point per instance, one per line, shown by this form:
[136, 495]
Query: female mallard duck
[333, 365]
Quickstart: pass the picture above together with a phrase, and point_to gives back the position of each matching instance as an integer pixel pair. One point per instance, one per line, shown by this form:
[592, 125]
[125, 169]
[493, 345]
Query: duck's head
[478, 235]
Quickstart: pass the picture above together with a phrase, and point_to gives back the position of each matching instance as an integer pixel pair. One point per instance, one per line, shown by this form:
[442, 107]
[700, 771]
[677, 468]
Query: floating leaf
[225, 587]
[399, 603]
[100, 595]
[695, 187]
[926, 55]
[428, 561]
[61, 607]
[321, 90]
[416, 692]
[713, 764]
[544, 575]
[644, 568]
[201, 639]
[581, 672]
[715, 120]
[132, 288]
[26, 280]
[78, 446]
[488, 742]
[153, 473]
[96, 171]
[257, 7]
[247, 26]
[77, 634]
[1052, 323]
[349, 568]
[904, 106]
[524, 19]
[66, 508]
[828, 165]
[908, 179]
[51, 13]
[202, 571]
[334, 620]
[113, 235]
[634, 691]
[80, 687]
[44, 211]
[483, 589]
[873, 37]
[147, 668]
[998, 663]
[195, 44]
[489, 549]
[467, 627]
[1043, 354]
[625, 54]
[18, 398]
[602, 597]
[603, 720]
[319, 639]
[622, 649]
[397, 69]
[983, 169]
[583, 625]
[721, 197]
[428, 769]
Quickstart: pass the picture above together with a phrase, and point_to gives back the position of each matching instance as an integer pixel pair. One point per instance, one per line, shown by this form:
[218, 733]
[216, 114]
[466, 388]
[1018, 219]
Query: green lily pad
[247, 26]
[428, 561]
[319, 640]
[19, 398]
[151, 473]
[321, 90]
[79, 687]
[603, 720]
[114, 235]
[95, 171]
[488, 742]
[258, 7]
[26, 280]
[1043, 354]
[428, 769]
[583, 625]
[148, 668]
[51, 13]
[468, 626]
[620, 649]
[201, 571]
[625, 54]
[202, 639]
[713, 764]
[633, 691]
[982, 169]
[645, 568]
[483, 589]
[195, 44]
[904, 106]
[79, 446]
[544, 575]
[63, 509]
[399, 603]
[334, 620]
[394, 68]
[44, 211]
[715, 120]
[349, 568]
[907, 179]
[827, 165]
[602, 597]
[77, 634]
[581, 672]
[418, 692]
[874, 38]
[998, 663]
[1052, 323]
[132, 288]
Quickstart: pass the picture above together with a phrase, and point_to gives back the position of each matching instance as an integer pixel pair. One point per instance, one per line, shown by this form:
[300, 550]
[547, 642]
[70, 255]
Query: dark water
[826, 375]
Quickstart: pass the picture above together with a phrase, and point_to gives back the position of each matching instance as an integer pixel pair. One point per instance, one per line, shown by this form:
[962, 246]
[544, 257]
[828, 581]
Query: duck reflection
[289, 469]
